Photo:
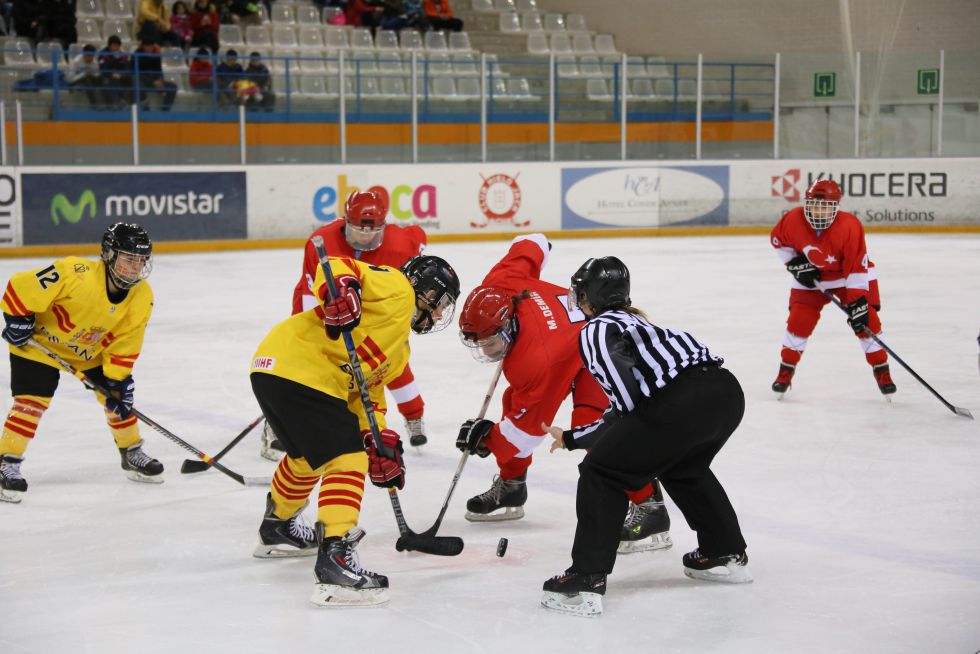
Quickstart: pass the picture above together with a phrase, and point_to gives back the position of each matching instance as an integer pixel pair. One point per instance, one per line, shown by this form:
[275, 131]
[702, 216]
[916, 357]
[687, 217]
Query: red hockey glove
[343, 313]
[385, 466]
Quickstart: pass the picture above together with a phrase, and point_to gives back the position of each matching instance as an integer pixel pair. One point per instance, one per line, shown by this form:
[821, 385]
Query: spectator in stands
[180, 23]
[205, 22]
[149, 72]
[239, 12]
[440, 16]
[6, 16]
[116, 73]
[201, 74]
[229, 73]
[25, 18]
[43, 20]
[153, 24]
[259, 74]
[84, 75]
[366, 13]
[415, 16]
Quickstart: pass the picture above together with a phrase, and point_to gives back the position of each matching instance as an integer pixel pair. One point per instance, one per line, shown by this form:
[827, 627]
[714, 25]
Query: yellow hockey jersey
[299, 349]
[75, 319]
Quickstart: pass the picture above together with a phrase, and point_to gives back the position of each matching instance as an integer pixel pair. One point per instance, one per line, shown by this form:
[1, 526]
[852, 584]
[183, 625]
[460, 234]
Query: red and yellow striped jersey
[75, 319]
[299, 349]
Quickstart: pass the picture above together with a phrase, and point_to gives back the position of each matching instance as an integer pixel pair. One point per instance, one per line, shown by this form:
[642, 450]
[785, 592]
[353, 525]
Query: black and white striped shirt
[632, 358]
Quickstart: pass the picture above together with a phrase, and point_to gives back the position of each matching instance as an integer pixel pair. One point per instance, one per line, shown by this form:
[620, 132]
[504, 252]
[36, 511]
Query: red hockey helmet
[486, 323]
[821, 202]
[364, 215]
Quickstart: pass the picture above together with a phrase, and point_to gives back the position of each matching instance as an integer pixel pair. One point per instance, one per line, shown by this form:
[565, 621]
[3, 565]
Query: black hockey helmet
[604, 283]
[436, 290]
[128, 254]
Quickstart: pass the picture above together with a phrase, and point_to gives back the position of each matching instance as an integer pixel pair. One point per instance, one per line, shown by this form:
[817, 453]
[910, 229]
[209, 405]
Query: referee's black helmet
[603, 282]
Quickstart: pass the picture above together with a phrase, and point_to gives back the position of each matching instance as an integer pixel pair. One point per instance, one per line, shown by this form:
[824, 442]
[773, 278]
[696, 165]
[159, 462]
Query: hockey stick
[431, 531]
[96, 388]
[438, 545]
[960, 411]
[190, 466]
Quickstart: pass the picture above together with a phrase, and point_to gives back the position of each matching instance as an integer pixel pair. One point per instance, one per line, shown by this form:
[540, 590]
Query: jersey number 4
[47, 277]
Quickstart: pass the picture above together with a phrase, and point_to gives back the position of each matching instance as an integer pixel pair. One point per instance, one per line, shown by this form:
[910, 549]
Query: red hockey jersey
[838, 252]
[398, 246]
[544, 360]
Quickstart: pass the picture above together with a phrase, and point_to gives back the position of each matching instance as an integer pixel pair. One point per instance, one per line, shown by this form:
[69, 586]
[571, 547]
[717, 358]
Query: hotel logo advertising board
[644, 196]
[76, 208]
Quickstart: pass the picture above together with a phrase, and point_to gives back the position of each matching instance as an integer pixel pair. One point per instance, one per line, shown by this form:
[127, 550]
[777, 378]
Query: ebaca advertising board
[76, 208]
[644, 196]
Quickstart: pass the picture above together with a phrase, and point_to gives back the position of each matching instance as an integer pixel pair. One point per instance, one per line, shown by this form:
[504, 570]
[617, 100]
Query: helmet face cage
[821, 202]
[128, 254]
[436, 289]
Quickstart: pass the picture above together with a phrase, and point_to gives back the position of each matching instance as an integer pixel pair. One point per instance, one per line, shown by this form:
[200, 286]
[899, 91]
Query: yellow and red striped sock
[340, 493]
[291, 486]
[21, 423]
[125, 431]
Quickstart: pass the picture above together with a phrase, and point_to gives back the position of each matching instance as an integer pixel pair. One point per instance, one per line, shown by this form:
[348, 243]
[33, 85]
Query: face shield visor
[490, 349]
[364, 238]
[432, 315]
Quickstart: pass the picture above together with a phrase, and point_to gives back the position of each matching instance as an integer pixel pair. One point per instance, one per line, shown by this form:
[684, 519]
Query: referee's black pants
[673, 436]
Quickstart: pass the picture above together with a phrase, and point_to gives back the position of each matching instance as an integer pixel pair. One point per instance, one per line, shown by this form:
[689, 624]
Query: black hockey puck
[501, 547]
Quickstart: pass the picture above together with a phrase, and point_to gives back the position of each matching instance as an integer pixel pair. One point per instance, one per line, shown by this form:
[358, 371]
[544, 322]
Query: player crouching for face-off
[520, 319]
[302, 379]
[93, 315]
[673, 407]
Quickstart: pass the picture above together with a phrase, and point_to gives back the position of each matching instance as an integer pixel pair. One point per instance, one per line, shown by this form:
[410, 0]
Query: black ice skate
[12, 483]
[784, 379]
[340, 580]
[647, 527]
[884, 378]
[416, 432]
[272, 448]
[507, 494]
[140, 466]
[577, 593]
[280, 538]
[729, 569]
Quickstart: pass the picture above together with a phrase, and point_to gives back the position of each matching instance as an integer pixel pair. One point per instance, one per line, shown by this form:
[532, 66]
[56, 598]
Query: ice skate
[140, 466]
[784, 379]
[884, 378]
[728, 569]
[575, 593]
[647, 527]
[416, 432]
[272, 448]
[504, 501]
[12, 483]
[280, 538]
[341, 581]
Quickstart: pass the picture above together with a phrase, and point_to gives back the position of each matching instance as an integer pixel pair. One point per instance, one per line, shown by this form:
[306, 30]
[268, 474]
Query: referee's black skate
[504, 501]
[577, 593]
[729, 568]
[647, 527]
[280, 538]
[12, 482]
[139, 465]
[340, 580]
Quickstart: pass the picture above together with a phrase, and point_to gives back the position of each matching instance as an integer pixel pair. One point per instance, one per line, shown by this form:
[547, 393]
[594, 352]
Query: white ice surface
[862, 517]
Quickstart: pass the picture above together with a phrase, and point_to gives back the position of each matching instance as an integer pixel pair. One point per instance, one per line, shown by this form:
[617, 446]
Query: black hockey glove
[857, 315]
[19, 329]
[472, 435]
[121, 401]
[804, 272]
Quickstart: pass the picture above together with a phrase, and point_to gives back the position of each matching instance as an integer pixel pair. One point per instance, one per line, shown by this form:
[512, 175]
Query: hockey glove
[121, 400]
[19, 329]
[857, 315]
[804, 272]
[385, 466]
[472, 437]
[343, 313]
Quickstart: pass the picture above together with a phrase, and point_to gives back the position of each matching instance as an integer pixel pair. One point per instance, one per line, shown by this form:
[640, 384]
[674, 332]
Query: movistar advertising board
[70, 208]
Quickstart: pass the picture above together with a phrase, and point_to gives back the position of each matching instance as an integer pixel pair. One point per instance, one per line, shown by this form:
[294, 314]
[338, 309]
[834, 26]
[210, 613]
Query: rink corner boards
[159, 247]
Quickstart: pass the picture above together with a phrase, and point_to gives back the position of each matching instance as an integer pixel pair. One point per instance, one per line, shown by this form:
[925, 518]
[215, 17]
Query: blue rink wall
[197, 208]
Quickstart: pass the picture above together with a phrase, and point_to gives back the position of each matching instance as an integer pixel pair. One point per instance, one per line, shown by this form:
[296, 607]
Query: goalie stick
[96, 388]
[960, 411]
[431, 531]
[190, 466]
[408, 540]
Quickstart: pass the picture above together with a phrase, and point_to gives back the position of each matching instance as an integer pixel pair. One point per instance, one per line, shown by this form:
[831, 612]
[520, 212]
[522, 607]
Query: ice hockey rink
[862, 517]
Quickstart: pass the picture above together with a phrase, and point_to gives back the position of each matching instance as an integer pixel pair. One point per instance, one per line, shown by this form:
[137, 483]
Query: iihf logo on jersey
[787, 185]
[263, 363]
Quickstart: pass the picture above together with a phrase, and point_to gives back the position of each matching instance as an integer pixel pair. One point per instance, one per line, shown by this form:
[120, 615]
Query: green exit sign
[927, 82]
[824, 85]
